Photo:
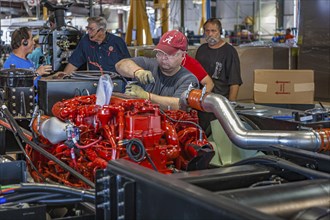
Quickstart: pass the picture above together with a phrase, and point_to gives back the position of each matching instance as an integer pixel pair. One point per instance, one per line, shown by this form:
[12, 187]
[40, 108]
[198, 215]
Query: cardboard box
[284, 86]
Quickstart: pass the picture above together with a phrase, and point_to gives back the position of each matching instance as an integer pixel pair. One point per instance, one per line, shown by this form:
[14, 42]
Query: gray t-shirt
[164, 85]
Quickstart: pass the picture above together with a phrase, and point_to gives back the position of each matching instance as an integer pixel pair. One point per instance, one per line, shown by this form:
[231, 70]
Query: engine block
[86, 136]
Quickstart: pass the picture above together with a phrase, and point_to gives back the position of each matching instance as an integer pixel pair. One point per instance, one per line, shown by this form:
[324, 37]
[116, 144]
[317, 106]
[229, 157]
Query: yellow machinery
[138, 30]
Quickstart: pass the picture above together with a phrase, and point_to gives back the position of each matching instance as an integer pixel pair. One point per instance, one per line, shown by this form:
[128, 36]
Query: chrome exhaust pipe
[236, 131]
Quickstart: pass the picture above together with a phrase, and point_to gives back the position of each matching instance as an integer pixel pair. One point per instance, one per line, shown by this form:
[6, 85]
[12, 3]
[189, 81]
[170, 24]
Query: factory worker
[161, 79]
[22, 44]
[98, 48]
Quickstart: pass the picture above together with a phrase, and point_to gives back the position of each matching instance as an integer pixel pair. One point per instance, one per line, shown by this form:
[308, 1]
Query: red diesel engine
[86, 136]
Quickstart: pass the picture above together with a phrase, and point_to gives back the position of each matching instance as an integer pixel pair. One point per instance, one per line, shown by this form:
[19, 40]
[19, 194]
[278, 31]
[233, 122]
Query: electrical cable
[188, 122]
[138, 153]
[43, 151]
[7, 191]
[18, 196]
[87, 145]
[46, 193]
[265, 183]
[44, 197]
[19, 143]
[39, 197]
[151, 162]
[60, 201]
[7, 186]
[85, 194]
[77, 92]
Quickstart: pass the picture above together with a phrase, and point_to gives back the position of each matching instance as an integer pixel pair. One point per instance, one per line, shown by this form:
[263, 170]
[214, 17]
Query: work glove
[144, 76]
[136, 91]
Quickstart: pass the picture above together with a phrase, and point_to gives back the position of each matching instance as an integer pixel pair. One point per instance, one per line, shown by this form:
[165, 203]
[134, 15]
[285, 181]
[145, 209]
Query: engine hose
[43, 151]
[139, 152]
[283, 164]
[152, 163]
[40, 197]
[325, 139]
[18, 196]
[188, 122]
[60, 201]
[56, 189]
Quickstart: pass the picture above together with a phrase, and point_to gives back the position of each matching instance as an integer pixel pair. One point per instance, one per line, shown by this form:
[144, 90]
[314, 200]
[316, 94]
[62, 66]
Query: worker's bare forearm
[127, 67]
[69, 68]
[165, 102]
[233, 92]
[208, 82]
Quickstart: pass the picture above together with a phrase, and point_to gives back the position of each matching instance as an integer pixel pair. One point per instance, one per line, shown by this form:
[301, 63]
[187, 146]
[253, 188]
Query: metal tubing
[251, 139]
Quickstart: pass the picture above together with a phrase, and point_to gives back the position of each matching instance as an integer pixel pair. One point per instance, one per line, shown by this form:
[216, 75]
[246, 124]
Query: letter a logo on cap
[171, 42]
[168, 39]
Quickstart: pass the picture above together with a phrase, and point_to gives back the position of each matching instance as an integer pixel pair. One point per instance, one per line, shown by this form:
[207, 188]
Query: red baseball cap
[171, 42]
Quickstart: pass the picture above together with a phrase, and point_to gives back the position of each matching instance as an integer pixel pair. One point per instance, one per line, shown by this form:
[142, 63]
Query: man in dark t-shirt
[99, 49]
[221, 62]
[162, 79]
[224, 68]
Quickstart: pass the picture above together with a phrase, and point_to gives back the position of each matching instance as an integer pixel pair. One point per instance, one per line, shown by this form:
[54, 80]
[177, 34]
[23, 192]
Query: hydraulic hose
[19, 196]
[38, 187]
[60, 201]
[40, 197]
